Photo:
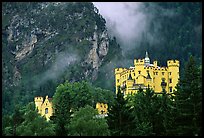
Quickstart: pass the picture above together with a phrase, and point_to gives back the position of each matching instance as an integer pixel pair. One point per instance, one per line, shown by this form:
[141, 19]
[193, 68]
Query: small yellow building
[44, 107]
[144, 74]
[102, 108]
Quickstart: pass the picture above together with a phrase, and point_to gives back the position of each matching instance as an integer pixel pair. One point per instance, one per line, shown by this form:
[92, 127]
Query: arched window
[46, 110]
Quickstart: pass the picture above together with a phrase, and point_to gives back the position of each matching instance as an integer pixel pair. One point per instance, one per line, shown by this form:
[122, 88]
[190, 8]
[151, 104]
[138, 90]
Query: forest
[59, 32]
[140, 114]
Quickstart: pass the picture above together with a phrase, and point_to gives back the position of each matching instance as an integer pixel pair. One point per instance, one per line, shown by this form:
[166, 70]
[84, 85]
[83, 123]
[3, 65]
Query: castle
[144, 74]
[45, 108]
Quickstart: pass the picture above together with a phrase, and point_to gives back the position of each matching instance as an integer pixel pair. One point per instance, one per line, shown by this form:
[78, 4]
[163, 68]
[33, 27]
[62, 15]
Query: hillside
[45, 44]
[174, 32]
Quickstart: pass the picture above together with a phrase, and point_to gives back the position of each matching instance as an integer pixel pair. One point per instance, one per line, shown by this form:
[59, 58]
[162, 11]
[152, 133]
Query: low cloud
[62, 62]
[131, 22]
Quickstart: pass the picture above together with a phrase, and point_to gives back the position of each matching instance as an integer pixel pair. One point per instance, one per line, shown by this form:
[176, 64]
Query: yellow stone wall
[102, 108]
[44, 107]
[139, 76]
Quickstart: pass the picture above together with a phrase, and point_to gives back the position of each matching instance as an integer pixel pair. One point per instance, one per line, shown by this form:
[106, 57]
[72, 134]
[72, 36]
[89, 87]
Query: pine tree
[119, 118]
[143, 113]
[188, 102]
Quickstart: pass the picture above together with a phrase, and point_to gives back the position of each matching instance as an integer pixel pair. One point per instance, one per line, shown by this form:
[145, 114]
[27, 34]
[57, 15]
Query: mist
[129, 22]
[125, 21]
[62, 62]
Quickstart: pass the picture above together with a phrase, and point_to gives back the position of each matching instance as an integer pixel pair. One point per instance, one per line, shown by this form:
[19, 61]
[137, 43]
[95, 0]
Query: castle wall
[44, 108]
[139, 73]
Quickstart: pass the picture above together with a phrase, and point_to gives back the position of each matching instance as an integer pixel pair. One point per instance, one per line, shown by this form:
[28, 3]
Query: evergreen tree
[142, 112]
[188, 102]
[119, 117]
[11, 122]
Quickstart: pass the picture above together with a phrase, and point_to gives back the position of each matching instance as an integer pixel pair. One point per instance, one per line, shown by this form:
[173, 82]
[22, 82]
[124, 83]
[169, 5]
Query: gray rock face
[99, 49]
[37, 38]
[27, 48]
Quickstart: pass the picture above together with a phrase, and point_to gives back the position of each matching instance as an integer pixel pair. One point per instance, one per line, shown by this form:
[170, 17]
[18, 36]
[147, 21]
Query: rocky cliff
[39, 39]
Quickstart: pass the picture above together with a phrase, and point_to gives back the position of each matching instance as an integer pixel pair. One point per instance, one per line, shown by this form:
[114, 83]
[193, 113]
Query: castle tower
[38, 103]
[147, 60]
[130, 82]
[118, 71]
[47, 109]
[173, 74]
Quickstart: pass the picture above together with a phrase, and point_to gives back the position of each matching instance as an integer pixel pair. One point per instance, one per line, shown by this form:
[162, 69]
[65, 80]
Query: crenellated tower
[173, 74]
[38, 103]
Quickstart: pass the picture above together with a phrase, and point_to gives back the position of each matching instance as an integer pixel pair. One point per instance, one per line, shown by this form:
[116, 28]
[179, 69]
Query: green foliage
[62, 104]
[141, 114]
[26, 122]
[7, 129]
[119, 117]
[34, 124]
[69, 97]
[86, 123]
[177, 31]
[188, 102]
[67, 27]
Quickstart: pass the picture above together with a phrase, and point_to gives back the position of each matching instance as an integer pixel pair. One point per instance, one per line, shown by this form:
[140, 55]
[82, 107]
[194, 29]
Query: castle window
[170, 89]
[139, 71]
[117, 80]
[46, 110]
[169, 73]
[170, 80]
[162, 73]
[156, 73]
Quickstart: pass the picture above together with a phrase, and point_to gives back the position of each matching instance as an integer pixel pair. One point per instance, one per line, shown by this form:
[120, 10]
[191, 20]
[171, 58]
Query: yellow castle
[102, 108]
[45, 107]
[144, 74]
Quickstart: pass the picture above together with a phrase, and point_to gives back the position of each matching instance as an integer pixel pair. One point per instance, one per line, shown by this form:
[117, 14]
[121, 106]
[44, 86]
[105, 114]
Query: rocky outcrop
[27, 48]
[100, 47]
[16, 76]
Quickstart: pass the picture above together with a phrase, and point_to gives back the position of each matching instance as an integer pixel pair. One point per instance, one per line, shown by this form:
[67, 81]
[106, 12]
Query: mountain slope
[45, 44]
